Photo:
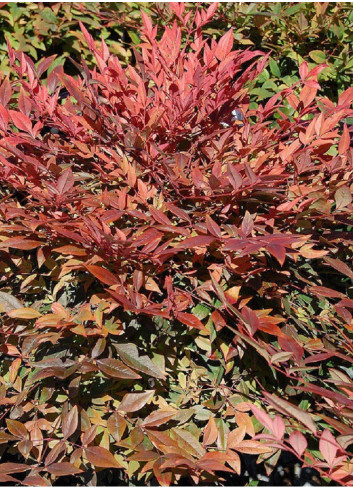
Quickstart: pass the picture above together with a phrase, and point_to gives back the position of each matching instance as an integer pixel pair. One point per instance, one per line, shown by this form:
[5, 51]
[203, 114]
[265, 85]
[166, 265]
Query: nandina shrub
[175, 285]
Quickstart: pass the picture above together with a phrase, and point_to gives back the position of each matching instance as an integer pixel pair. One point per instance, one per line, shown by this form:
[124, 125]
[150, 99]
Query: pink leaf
[328, 446]
[248, 224]
[278, 427]
[263, 417]
[225, 45]
[298, 442]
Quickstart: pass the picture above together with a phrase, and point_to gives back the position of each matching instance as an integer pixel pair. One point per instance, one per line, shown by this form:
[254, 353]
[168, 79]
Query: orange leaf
[210, 434]
[102, 274]
[24, 313]
[345, 141]
[101, 457]
[20, 243]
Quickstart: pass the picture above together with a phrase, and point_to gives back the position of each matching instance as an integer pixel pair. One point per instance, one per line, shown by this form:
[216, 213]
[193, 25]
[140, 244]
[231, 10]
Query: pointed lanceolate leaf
[225, 45]
[20, 243]
[65, 182]
[278, 251]
[21, 121]
[328, 446]
[129, 353]
[63, 468]
[298, 441]
[24, 313]
[343, 197]
[116, 425]
[70, 423]
[339, 266]
[290, 409]
[135, 401]
[17, 428]
[248, 224]
[116, 368]
[213, 227]
[190, 320]
[9, 302]
[12, 468]
[345, 141]
[211, 433]
[101, 457]
[105, 276]
[159, 417]
[186, 441]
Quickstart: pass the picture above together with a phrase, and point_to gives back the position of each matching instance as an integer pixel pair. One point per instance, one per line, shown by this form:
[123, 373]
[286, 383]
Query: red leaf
[190, 320]
[211, 10]
[211, 433]
[20, 243]
[346, 97]
[251, 318]
[325, 292]
[339, 266]
[263, 417]
[303, 70]
[225, 45]
[102, 274]
[278, 251]
[65, 182]
[21, 121]
[196, 241]
[45, 64]
[146, 22]
[307, 95]
[278, 427]
[213, 227]
[12, 468]
[5, 92]
[88, 37]
[4, 118]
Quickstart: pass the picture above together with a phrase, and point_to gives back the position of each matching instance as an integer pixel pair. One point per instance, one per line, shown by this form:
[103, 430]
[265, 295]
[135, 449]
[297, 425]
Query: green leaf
[274, 68]
[128, 352]
[188, 442]
[318, 56]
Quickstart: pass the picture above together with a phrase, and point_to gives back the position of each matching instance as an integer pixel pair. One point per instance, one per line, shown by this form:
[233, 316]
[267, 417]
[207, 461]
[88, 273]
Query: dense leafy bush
[291, 32]
[175, 284]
